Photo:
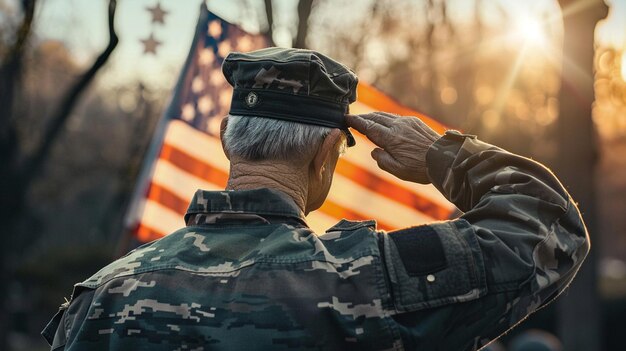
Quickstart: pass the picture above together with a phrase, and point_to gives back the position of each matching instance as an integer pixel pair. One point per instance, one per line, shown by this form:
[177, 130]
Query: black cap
[295, 85]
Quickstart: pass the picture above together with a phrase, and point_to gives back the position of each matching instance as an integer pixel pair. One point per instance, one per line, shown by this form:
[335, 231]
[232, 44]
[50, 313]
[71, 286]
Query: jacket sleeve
[457, 285]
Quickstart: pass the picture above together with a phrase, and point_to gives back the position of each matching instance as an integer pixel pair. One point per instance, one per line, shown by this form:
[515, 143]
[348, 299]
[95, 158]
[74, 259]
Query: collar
[259, 202]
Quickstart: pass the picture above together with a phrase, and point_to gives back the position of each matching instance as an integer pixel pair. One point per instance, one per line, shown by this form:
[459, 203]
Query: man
[247, 272]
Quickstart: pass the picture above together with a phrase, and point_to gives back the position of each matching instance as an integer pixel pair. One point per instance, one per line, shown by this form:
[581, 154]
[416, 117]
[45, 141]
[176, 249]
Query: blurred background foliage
[491, 68]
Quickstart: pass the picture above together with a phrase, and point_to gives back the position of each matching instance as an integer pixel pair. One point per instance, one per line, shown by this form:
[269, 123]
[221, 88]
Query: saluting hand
[402, 143]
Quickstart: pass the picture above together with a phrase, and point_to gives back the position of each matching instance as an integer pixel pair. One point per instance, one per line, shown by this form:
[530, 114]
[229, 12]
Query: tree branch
[304, 12]
[12, 65]
[69, 102]
[269, 13]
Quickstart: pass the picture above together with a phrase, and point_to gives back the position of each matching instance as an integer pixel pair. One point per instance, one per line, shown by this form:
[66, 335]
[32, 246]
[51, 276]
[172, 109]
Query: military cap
[295, 85]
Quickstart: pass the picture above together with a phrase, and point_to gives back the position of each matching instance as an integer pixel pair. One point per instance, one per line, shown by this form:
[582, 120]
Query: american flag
[186, 152]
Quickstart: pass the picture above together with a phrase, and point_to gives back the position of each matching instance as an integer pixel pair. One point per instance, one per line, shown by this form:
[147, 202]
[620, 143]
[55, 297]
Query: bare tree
[33, 166]
[10, 73]
[20, 170]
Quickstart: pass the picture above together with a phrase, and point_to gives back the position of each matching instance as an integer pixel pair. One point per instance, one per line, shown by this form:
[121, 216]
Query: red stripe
[377, 100]
[388, 189]
[146, 234]
[194, 166]
[392, 191]
[173, 202]
[165, 197]
[203, 170]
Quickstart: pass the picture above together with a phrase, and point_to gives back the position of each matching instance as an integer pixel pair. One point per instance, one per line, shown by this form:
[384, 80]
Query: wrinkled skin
[402, 143]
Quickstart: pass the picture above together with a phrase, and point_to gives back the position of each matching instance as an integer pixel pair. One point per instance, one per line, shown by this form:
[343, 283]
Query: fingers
[374, 131]
[386, 162]
[383, 118]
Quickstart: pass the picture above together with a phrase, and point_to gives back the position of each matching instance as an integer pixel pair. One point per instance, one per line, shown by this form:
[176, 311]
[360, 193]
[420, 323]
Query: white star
[197, 84]
[205, 104]
[215, 29]
[150, 45]
[188, 112]
[158, 14]
[206, 56]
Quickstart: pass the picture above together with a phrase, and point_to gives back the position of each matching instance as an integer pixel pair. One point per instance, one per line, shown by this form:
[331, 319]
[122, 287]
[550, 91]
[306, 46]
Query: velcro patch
[421, 250]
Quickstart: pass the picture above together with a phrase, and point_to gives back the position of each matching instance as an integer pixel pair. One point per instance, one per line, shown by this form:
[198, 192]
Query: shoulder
[353, 236]
[142, 259]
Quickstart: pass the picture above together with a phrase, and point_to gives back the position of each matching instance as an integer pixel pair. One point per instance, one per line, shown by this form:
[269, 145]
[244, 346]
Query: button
[430, 278]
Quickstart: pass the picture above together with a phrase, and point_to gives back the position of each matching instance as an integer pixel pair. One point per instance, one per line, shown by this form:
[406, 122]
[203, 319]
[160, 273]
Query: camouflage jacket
[247, 273]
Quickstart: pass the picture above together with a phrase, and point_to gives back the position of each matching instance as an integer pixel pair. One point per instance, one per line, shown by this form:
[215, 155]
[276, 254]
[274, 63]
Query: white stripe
[184, 186]
[197, 144]
[373, 205]
[345, 192]
[161, 218]
[178, 181]
[209, 149]
[361, 156]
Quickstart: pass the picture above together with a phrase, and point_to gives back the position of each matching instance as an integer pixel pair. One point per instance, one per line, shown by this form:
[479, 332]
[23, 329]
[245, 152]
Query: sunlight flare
[530, 31]
[623, 64]
[509, 82]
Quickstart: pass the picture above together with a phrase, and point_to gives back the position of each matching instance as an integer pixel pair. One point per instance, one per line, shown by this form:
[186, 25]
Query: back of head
[285, 102]
[258, 138]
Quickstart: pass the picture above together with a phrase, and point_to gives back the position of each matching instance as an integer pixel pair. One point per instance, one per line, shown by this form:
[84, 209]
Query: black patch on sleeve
[420, 250]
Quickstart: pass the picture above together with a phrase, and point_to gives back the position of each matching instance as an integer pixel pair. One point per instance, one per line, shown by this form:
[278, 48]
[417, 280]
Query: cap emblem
[252, 99]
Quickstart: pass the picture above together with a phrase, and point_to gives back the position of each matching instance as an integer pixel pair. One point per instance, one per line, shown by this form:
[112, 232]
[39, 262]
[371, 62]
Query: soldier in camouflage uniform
[247, 273]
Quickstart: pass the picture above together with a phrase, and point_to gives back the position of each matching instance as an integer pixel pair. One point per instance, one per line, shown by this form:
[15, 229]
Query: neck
[273, 175]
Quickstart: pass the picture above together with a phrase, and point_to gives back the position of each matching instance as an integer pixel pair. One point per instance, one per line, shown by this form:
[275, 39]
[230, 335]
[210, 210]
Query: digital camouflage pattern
[298, 85]
[246, 272]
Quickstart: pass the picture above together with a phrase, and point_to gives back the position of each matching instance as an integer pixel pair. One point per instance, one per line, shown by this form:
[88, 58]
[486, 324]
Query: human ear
[223, 125]
[329, 145]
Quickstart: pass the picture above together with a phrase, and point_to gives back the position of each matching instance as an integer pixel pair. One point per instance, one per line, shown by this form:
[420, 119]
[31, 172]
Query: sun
[530, 31]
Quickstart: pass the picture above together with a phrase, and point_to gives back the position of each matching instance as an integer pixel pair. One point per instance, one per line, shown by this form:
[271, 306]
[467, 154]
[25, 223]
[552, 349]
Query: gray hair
[258, 138]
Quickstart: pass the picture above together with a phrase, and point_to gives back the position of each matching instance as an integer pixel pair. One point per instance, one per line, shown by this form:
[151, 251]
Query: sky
[82, 25]
[59, 19]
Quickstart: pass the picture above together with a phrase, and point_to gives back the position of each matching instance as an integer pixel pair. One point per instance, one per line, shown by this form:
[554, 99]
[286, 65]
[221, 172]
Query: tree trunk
[304, 12]
[17, 176]
[269, 14]
[33, 167]
[579, 309]
[10, 75]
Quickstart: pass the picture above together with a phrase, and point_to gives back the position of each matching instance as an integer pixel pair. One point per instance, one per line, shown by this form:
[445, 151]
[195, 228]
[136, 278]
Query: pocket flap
[434, 265]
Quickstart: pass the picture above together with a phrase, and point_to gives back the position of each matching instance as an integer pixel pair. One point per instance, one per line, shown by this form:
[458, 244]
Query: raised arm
[517, 246]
